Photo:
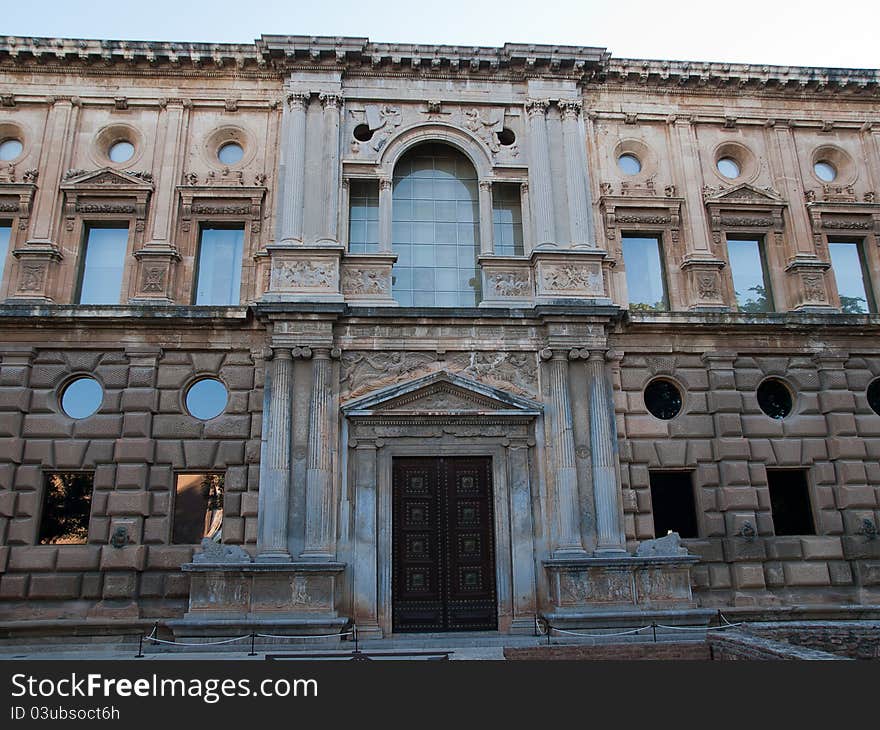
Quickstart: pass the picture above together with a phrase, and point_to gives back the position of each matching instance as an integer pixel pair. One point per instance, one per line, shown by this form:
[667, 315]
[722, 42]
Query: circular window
[874, 396]
[506, 137]
[121, 151]
[663, 399]
[774, 398]
[230, 153]
[206, 398]
[825, 171]
[629, 164]
[362, 133]
[728, 167]
[10, 149]
[82, 397]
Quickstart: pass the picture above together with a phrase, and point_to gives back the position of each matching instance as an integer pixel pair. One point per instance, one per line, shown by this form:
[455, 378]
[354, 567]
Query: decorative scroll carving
[303, 274]
[855, 224]
[383, 121]
[207, 209]
[571, 277]
[509, 283]
[517, 371]
[483, 127]
[746, 221]
[32, 277]
[363, 371]
[657, 220]
[814, 287]
[153, 279]
[105, 207]
[707, 285]
[364, 281]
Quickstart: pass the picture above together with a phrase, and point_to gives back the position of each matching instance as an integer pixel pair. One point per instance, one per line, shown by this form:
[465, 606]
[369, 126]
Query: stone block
[774, 575]
[748, 575]
[849, 497]
[32, 558]
[851, 472]
[137, 425]
[174, 426]
[14, 587]
[78, 557]
[737, 498]
[738, 549]
[99, 426]
[131, 476]
[129, 557]
[136, 450]
[713, 524]
[160, 503]
[784, 548]
[237, 377]
[724, 401]
[119, 585]
[140, 400]
[99, 529]
[230, 452]
[237, 403]
[760, 426]
[806, 574]
[177, 585]
[49, 425]
[161, 478]
[719, 576]
[7, 503]
[249, 504]
[173, 376]
[56, 586]
[638, 426]
[672, 453]
[841, 573]
[692, 425]
[4, 558]
[836, 401]
[732, 449]
[251, 528]
[857, 547]
[822, 547]
[846, 447]
[10, 423]
[21, 531]
[200, 454]
[841, 424]
[129, 503]
[15, 399]
[813, 450]
[170, 452]
[169, 557]
[7, 476]
[156, 530]
[151, 585]
[98, 452]
[92, 585]
[233, 530]
[12, 450]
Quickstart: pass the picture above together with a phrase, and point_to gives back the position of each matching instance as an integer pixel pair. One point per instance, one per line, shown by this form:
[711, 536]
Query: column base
[273, 558]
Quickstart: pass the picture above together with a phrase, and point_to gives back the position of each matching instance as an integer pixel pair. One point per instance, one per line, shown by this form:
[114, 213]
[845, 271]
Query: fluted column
[318, 484]
[293, 200]
[331, 104]
[385, 214]
[569, 540]
[486, 242]
[539, 172]
[603, 445]
[366, 569]
[575, 174]
[275, 462]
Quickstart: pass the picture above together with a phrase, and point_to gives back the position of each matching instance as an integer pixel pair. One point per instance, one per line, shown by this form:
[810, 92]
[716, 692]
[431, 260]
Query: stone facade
[330, 380]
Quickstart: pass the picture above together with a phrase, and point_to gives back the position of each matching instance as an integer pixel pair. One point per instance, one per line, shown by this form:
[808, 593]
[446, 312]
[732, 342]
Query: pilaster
[293, 172]
[332, 104]
[539, 173]
[579, 224]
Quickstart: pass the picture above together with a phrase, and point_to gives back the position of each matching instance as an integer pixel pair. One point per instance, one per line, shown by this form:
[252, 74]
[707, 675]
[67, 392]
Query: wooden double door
[443, 545]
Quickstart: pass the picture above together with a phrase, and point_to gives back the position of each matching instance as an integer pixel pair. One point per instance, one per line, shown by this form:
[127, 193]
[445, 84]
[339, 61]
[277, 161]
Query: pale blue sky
[810, 32]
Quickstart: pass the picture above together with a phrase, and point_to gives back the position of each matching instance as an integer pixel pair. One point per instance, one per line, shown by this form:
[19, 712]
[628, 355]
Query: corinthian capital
[570, 108]
[330, 100]
[537, 107]
[298, 101]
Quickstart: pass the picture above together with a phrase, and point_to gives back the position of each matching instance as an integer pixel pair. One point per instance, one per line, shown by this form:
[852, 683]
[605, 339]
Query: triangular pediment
[441, 394]
[107, 178]
[744, 194]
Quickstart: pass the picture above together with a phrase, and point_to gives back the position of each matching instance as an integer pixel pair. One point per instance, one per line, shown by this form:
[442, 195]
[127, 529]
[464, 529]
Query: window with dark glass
[642, 257]
[672, 501]
[851, 274]
[363, 216]
[748, 267]
[218, 278]
[790, 502]
[67, 503]
[663, 399]
[198, 508]
[435, 229]
[774, 398]
[102, 265]
[874, 396]
[5, 237]
[507, 226]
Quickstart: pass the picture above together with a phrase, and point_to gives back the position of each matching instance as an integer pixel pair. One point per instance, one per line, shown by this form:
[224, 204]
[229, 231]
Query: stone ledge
[292, 567]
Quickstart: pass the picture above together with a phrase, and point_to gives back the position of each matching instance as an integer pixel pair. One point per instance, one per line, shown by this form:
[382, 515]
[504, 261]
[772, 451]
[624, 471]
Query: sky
[783, 32]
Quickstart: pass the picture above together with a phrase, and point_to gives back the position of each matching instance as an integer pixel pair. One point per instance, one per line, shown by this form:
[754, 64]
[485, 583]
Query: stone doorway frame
[499, 426]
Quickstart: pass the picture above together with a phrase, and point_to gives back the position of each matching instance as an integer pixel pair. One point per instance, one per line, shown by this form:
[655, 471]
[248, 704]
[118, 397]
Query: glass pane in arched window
[435, 229]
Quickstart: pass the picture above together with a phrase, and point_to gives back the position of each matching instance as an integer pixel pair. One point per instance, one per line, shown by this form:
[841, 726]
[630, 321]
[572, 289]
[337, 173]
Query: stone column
[575, 174]
[385, 214]
[523, 533]
[569, 539]
[319, 517]
[293, 201]
[539, 172]
[366, 569]
[486, 228]
[275, 462]
[603, 445]
[331, 104]
[528, 237]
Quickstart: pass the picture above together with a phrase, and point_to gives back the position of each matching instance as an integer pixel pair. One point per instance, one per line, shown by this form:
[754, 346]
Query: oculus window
[103, 264]
[218, 281]
[825, 171]
[363, 216]
[629, 164]
[121, 151]
[435, 229]
[198, 508]
[644, 273]
[507, 228]
[728, 167]
[206, 398]
[5, 237]
[67, 503]
[663, 399]
[774, 398]
[853, 287]
[748, 268]
[790, 502]
[82, 397]
[874, 396]
[230, 153]
[672, 501]
[10, 149]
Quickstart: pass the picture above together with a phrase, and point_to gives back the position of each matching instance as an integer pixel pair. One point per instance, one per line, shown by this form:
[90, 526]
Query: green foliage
[645, 307]
[853, 305]
[66, 509]
[757, 303]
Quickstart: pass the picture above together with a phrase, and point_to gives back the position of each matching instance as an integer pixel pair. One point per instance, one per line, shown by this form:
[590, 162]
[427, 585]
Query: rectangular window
[363, 216]
[67, 503]
[642, 257]
[198, 508]
[5, 236]
[748, 267]
[103, 264]
[672, 499]
[790, 502]
[507, 219]
[218, 278]
[851, 273]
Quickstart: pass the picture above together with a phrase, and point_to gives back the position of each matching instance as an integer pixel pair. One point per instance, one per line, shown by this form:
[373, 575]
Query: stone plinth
[226, 598]
[631, 588]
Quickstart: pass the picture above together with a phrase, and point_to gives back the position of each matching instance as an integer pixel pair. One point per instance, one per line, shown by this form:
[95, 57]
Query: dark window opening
[198, 508]
[67, 503]
[774, 398]
[874, 396]
[790, 502]
[672, 498]
[362, 133]
[506, 137]
[663, 399]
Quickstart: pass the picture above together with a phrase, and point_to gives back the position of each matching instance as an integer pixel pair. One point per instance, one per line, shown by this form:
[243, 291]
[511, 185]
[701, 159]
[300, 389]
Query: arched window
[435, 231]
